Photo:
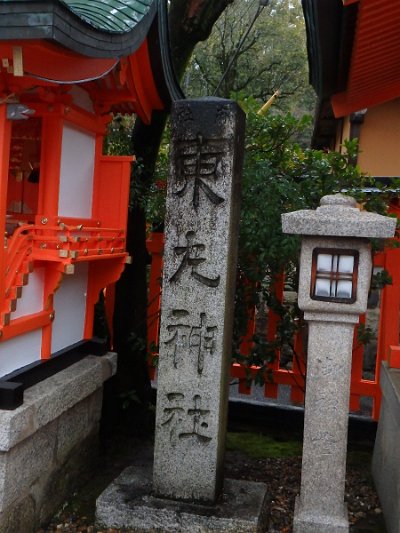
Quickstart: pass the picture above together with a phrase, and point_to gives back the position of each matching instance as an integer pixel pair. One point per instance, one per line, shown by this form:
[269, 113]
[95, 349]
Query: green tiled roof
[114, 16]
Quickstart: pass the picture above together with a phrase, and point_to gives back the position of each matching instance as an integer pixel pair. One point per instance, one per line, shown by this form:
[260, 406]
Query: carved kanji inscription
[186, 420]
[200, 250]
[190, 338]
[191, 258]
[198, 167]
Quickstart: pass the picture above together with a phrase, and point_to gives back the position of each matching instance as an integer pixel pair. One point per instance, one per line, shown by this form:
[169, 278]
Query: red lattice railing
[62, 243]
[292, 373]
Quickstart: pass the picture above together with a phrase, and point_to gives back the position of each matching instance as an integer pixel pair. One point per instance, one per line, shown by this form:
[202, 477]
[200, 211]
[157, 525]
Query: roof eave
[323, 23]
[330, 33]
[50, 19]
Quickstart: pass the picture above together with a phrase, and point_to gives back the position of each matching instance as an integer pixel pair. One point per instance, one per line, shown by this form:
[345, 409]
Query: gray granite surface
[201, 231]
[325, 429]
[338, 216]
[343, 311]
[48, 444]
[130, 503]
[386, 458]
[335, 253]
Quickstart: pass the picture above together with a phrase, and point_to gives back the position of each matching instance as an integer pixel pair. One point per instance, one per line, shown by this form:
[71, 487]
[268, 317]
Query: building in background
[354, 59]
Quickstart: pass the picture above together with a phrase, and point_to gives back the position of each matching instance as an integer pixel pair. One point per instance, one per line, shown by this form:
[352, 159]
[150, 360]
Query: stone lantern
[335, 274]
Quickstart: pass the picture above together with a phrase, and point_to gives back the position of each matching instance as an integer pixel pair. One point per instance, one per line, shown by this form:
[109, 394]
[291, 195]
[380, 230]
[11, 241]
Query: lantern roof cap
[338, 216]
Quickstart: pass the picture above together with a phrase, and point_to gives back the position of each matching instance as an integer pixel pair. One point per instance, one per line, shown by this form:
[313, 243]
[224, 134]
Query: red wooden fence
[293, 375]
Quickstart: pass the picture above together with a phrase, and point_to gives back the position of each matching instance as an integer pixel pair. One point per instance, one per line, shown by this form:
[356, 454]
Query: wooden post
[5, 139]
[52, 132]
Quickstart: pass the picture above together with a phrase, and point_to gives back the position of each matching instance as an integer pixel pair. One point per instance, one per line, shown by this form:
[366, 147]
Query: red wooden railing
[293, 374]
[61, 244]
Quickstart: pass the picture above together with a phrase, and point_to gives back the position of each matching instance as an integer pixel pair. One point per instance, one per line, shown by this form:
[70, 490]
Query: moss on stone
[261, 446]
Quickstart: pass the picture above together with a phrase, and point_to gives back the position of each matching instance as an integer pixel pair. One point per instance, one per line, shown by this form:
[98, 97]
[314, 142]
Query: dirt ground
[271, 454]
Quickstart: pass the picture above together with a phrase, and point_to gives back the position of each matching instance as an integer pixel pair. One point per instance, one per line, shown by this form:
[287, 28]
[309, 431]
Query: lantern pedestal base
[128, 503]
[307, 523]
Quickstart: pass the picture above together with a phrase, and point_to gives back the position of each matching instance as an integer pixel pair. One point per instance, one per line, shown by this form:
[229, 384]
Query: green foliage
[118, 142]
[151, 195]
[128, 398]
[273, 56]
[118, 139]
[380, 279]
[155, 199]
[365, 334]
[279, 177]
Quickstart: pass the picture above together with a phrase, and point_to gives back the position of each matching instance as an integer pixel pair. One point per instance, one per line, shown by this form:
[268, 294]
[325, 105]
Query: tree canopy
[273, 56]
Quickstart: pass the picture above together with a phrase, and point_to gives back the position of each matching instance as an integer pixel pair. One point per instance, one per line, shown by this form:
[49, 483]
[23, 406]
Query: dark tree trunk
[190, 22]
[130, 311]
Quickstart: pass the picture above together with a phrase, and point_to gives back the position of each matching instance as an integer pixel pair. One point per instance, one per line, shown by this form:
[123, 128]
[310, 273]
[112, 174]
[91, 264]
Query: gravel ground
[282, 475]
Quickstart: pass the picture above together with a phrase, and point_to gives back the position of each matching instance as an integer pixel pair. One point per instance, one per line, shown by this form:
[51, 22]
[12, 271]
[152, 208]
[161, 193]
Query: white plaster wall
[70, 309]
[76, 175]
[20, 351]
[31, 300]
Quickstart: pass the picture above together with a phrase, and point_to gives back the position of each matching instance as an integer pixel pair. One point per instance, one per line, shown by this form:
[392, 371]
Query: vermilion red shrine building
[65, 66]
[354, 59]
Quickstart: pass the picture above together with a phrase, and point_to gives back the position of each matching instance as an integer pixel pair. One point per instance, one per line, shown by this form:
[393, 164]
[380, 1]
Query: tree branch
[192, 21]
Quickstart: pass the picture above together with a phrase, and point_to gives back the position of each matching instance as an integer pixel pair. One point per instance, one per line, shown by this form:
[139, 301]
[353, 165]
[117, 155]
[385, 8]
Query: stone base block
[128, 503]
[305, 522]
[386, 458]
[47, 443]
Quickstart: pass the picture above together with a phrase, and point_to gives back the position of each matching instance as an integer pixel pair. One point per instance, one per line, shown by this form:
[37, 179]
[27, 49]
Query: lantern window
[334, 275]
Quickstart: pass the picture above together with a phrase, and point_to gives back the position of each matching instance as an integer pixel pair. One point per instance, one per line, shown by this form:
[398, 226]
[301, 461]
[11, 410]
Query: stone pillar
[325, 427]
[197, 303]
[335, 272]
[185, 491]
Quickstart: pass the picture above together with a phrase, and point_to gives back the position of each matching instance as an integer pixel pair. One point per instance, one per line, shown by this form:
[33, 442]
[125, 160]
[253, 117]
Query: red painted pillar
[390, 306]
[271, 389]
[52, 131]
[5, 139]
